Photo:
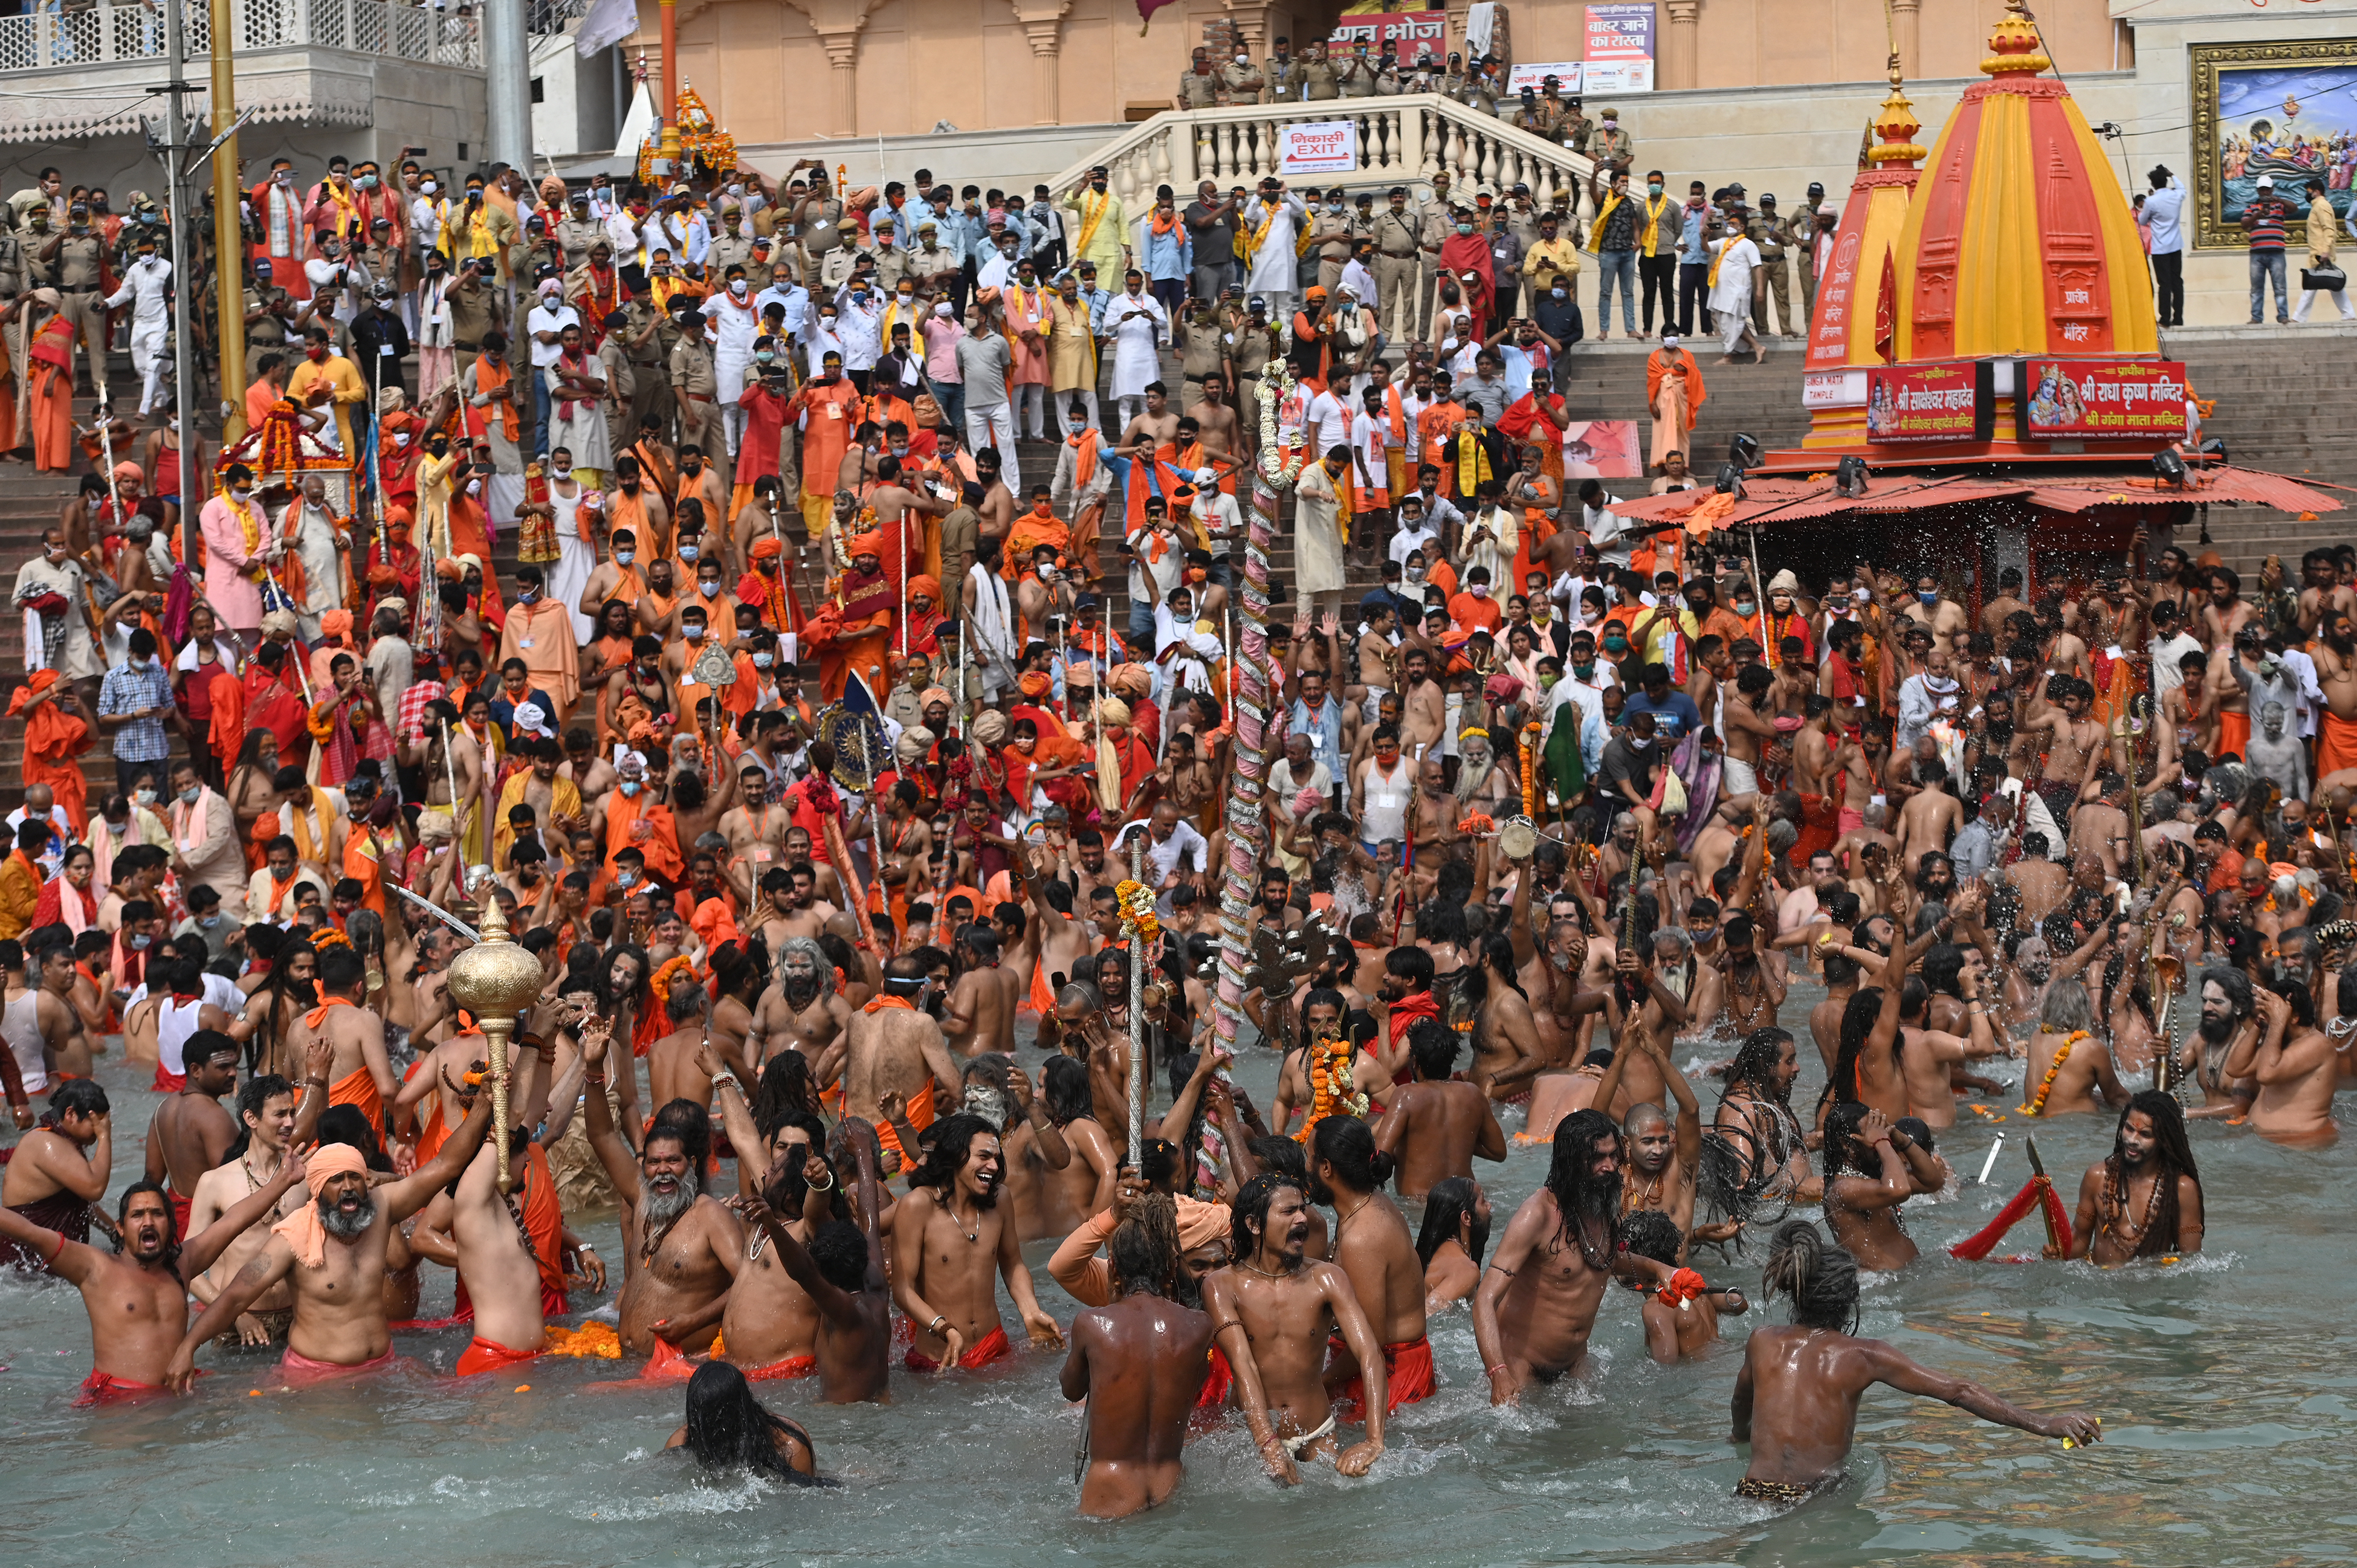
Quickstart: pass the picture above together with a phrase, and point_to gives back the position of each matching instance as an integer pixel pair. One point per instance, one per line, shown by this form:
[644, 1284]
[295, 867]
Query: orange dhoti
[490, 1356]
[2336, 746]
[52, 416]
[994, 1347]
[864, 654]
[2234, 735]
[1407, 1377]
[920, 1116]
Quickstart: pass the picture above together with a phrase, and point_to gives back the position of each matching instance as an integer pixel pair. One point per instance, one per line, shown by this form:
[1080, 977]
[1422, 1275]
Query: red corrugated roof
[1771, 501]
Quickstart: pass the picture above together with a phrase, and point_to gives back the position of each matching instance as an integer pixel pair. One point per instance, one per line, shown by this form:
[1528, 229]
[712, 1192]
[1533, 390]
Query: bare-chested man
[1139, 1361]
[333, 1253]
[1435, 1127]
[497, 1260]
[951, 1243]
[755, 828]
[2144, 1199]
[841, 1270]
[190, 1133]
[2294, 1065]
[803, 1010]
[891, 1047]
[681, 1247]
[1273, 1312]
[1538, 1300]
[359, 1073]
[1376, 1250]
[980, 1015]
[137, 1295]
[1871, 1168]
[58, 1171]
[1663, 1157]
[1797, 1394]
[63, 1037]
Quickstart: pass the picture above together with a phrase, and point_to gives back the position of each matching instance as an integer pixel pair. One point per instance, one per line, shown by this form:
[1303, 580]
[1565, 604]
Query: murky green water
[2223, 1383]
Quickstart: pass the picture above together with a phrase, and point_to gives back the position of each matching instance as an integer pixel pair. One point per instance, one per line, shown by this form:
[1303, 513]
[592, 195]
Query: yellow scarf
[1718, 256]
[660, 289]
[1653, 206]
[1090, 218]
[1603, 216]
[1260, 235]
[1473, 465]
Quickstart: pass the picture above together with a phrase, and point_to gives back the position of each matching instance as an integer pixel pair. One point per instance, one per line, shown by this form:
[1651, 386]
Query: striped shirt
[2263, 218]
[128, 689]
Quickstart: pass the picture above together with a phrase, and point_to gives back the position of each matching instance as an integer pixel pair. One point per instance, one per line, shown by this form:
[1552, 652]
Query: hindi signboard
[1953, 400]
[1619, 50]
[2103, 400]
[1413, 35]
[1319, 146]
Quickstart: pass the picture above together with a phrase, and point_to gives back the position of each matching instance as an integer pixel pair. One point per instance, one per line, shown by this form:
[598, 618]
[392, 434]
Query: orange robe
[361, 865]
[660, 843]
[53, 740]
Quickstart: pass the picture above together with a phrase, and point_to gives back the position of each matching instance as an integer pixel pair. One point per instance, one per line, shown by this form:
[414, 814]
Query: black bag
[2324, 279]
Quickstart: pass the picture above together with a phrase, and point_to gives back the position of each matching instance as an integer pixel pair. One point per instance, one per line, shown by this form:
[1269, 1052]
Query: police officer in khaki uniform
[1451, 83]
[1199, 84]
[1320, 82]
[1483, 87]
[272, 319]
[1282, 80]
[1767, 231]
[576, 230]
[1202, 349]
[1355, 76]
[1251, 344]
[1329, 237]
[651, 389]
[1396, 235]
[76, 251]
[692, 380]
[759, 272]
[1801, 232]
[40, 257]
[1240, 82]
[729, 248]
[891, 262]
[1390, 79]
[1434, 223]
[383, 256]
[11, 257]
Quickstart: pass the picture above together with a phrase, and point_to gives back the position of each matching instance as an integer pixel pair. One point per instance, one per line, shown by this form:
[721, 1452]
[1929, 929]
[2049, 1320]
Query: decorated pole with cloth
[1138, 927]
[1251, 701]
[2036, 1193]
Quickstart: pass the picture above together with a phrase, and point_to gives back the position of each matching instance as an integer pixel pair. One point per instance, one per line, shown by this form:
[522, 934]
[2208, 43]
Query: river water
[2226, 1384]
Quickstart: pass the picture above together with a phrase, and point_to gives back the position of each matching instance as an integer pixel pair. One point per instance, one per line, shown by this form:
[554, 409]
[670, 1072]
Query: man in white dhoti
[990, 620]
[576, 543]
[1140, 330]
[1736, 274]
[735, 324]
[1268, 235]
[1317, 531]
[310, 524]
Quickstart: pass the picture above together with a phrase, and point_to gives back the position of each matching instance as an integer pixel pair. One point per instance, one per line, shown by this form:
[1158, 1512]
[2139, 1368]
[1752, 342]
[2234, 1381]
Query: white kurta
[732, 349]
[575, 564]
[584, 434]
[1138, 326]
[1317, 533]
[323, 572]
[1275, 267]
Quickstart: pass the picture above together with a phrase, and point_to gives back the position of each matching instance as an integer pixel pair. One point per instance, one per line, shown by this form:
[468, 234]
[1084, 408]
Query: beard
[785, 1188]
[659, 1210]
[2217, 1031]
[1598, 1199]
[800, 991]
[1320, 1193]
[347, 1225]
[1473, 778]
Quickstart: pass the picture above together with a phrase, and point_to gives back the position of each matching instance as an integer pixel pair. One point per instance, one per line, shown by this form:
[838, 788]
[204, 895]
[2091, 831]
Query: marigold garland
[328, 937]
[1331, 1090]
[670, 971]
[1136, 902]
[1530, 768]
[2036, 1106]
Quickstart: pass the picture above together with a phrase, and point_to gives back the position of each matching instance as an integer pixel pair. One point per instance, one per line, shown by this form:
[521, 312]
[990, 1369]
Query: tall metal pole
[228, 241]
[507, 83]
[175, 134]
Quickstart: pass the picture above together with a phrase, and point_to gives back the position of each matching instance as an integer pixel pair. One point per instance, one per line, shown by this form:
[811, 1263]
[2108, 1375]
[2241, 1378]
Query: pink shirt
[942, 338]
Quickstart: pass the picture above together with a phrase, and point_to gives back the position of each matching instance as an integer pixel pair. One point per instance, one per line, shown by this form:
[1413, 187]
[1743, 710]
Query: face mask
[139, 944]
[630, 787]
[526, 595]
[827, 322]
[316, 354]
[688, 551]
[693, 633]
[1743, 607]
[624, 557]
[1478, 590]
[425, 187]
[1563, 293]
[145, 797]
[763, 661]
[1653, 189]
[1583, 670]
[474, 487]
[625, 878]
[189, 796]
[1930, 598]
[1615, 645]
[561, 470]
[1465, 228]
[1412, 575]
[736, 287]
[708, 586]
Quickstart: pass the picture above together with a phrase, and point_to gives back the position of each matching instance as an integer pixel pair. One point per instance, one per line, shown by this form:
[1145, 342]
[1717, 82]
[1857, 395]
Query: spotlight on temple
[1849, 479]
[1731, 479]
[2169, 466]
[1745, 450]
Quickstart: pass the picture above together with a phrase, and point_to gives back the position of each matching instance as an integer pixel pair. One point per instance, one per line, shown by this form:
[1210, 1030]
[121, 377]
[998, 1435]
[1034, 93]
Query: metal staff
[1136, 1012]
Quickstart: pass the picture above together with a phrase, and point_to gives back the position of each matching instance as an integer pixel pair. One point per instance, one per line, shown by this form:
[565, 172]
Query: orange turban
[1133, 679]
[867, 545]
[39, 680]
[126, 469]
[765, 548]
[335, 624]
[302, 1228]
[929, 587]
[1034, 686]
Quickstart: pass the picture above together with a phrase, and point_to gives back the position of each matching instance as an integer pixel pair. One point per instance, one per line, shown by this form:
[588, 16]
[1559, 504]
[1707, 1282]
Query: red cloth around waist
[300, 1368]
[991, 1348]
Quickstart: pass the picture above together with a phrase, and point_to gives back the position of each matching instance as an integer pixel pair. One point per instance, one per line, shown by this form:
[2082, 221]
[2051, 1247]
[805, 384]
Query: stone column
[1043, 24]
[1682, 45]
[838, 23]
[1905, 30]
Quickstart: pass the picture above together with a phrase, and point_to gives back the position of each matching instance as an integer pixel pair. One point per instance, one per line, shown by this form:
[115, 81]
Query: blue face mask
[630, 787]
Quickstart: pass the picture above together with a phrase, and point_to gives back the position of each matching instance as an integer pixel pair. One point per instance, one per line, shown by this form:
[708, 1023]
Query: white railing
[1402, 139]
[49, 36]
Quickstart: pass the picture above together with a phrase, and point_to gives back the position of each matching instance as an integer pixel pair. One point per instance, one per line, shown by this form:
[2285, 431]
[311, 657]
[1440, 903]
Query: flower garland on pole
[1251, 695]
[1139, 928]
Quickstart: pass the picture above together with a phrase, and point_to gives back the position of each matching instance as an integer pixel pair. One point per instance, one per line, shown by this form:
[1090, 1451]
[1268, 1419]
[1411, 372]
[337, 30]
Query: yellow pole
[228, 244]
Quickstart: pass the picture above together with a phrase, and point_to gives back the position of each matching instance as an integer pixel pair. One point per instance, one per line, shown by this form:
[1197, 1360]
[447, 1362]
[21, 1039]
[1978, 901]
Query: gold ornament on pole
[496, 980]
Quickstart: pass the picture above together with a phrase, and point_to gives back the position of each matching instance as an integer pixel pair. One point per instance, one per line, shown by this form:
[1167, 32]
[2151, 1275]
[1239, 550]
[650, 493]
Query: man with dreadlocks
[2226, 1018]
[949, 1239]
[1797, 1394]
[1872, 1167]
[1274, 1311]
[802, 1010]
[1756, 1123]
[1538, 1300]
[680, 1246]
[2144, 1199]
[1139, 1361]
[1506, 1050]
[2296, 1065]
[137, 1296]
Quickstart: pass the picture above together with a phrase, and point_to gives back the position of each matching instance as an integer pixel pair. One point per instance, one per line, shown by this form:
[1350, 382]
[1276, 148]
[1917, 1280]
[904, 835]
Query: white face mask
[561, 470]
[241, 495]
[737, 288]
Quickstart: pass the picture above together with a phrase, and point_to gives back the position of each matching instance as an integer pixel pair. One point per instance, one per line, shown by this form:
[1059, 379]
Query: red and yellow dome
[2019, 239]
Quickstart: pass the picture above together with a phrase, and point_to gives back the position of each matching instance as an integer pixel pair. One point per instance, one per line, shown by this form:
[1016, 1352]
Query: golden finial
[2014, 44]
[1897, 125]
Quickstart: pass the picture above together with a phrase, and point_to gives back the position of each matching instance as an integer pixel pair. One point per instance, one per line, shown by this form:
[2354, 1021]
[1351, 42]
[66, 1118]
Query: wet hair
[1411, 964]
[1348, 1144]
[1819, 1275]
[787, 1092]
[1754, 1066]
[1649, 1233]
[1433, 1046]
[258, 1091]
[1144, 1248]
[727, 1427]
[688, 1125]
[1064, 1090]
[1916, 1128]
[171, 1217]
[1577, 1194]
[1450, 1200]
[2175, 1156]
[1858, 1018]
[952, 1139]
[1250, 1208]
[1842, 1123]
[2067, 1008]
[76, 1097]
[347, 1125]
[839, 1251]
[1277, 1153]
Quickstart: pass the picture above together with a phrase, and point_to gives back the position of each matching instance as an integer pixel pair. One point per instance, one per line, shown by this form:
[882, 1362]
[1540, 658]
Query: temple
[1986, 386]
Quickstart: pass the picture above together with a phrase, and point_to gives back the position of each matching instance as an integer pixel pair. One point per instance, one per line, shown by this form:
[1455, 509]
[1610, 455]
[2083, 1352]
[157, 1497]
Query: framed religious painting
[2283, 110]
